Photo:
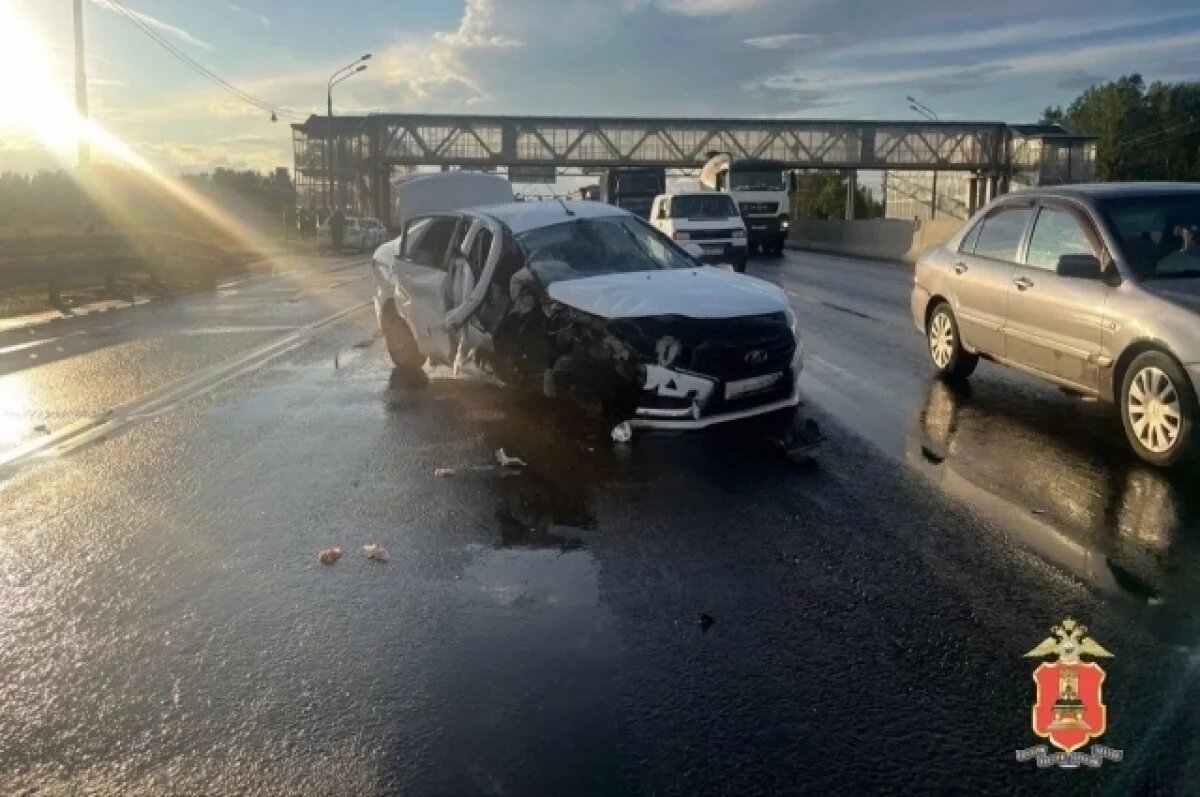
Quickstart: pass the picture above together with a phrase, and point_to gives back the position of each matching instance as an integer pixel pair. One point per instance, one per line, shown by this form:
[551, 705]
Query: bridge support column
[973, 195]
[851, 192]
[993, 186]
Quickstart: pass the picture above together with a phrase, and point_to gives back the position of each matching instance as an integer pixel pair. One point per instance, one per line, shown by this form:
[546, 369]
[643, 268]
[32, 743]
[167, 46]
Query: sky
[848, 59]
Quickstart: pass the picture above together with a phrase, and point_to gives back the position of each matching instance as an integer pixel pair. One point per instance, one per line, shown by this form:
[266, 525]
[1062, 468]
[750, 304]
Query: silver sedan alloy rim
[1154, 410]
[941, 340]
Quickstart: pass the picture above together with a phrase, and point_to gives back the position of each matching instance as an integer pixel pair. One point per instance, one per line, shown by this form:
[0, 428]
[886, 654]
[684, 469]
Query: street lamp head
[366, 57]
[361, 68]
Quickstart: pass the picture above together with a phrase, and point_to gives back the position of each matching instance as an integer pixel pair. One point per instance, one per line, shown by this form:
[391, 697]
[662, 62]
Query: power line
[203, 71]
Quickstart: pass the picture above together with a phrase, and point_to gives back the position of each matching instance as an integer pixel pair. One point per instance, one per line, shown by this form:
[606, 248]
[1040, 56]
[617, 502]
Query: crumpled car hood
[694, 293]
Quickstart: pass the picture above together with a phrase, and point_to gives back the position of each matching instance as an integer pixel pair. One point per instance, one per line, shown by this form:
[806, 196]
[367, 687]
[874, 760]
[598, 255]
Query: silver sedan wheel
[941, 340]
[1155, 411]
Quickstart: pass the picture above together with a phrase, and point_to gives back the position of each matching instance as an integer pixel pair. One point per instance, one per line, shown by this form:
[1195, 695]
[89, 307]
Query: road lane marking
[86, 430]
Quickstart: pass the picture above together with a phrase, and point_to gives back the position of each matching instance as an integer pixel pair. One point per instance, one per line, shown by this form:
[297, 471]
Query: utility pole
[81, 96]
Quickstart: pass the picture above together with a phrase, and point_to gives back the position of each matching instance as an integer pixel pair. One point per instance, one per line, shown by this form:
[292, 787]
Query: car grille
[758, 208]
[731, 355]
[710, 235]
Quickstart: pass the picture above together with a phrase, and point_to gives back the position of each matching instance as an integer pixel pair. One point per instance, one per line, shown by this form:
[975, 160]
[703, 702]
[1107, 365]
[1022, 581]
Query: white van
[708, 219]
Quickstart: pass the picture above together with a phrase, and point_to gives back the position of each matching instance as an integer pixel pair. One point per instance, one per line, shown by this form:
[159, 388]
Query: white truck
[708, 220]
[760, 189]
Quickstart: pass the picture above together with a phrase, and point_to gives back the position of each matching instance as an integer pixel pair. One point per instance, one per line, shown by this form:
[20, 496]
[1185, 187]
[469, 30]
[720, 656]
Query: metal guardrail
[98, 258]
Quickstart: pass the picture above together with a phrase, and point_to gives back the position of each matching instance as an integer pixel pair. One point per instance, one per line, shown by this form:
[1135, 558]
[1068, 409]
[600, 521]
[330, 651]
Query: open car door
[471, 271]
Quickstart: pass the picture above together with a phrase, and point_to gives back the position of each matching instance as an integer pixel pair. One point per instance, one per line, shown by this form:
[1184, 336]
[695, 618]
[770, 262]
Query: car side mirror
[1085, 267]
[694, 250]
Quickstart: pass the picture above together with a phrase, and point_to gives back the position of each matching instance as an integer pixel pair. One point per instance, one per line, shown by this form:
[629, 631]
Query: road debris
[42, 428]
[376, 551]
[508, 462]
[444, 473]
[707, 621]
[329, 556]
[1038, 511]
[622, 432]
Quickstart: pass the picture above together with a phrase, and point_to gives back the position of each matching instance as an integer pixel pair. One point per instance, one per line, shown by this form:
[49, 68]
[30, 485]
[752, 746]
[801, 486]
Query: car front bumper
[1193, 371]
[694, 418]
[919, 302]
[727, 252]
[762, 229]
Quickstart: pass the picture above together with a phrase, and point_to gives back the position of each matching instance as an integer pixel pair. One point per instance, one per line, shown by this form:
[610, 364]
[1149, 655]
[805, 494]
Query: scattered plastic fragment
[329, 556]
[444, 473]
[706, 622]
[42, 428]
[508, 462]
[1038, 511]
[376, 551]
[622, 432]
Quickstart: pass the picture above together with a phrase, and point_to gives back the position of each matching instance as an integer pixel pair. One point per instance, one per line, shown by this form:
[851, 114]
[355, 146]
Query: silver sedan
[1094, 287]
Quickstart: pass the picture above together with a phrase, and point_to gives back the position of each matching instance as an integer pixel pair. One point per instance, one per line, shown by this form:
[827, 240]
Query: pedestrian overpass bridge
[349, 160]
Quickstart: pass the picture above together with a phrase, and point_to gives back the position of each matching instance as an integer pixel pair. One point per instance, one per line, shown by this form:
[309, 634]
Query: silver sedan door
[1055, 321]
[982, 274]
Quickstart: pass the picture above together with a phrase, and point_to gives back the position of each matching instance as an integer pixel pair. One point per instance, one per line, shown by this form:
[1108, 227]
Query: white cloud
[1058, 59]
[162, 27]
[698, 8]
[262, 18]
[475, 30]
[1021, 34]
[783, 41]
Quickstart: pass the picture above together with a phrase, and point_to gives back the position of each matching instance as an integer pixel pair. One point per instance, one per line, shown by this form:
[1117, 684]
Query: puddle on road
[1056, 476]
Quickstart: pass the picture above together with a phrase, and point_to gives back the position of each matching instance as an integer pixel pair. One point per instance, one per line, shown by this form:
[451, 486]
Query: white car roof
[524, 216]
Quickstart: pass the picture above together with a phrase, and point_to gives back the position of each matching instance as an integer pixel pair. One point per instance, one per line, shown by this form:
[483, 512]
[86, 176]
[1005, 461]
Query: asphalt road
[169, 472]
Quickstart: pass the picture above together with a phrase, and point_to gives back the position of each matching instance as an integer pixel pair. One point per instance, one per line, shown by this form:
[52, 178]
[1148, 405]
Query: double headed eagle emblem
[1068, 643]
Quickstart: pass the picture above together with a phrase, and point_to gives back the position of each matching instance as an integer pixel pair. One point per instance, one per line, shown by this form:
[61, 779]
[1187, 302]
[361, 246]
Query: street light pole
[330, 151]
[81, 96]
[922, 109]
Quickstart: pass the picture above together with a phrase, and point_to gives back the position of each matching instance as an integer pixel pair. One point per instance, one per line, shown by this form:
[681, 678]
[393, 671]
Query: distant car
[361, 234]
[1093, 287]
[709, 219]
[588, 303]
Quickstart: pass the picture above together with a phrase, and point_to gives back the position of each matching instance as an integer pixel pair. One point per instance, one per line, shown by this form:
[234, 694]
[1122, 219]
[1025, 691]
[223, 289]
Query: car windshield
[639, 183]
[703, 206]
[757, 180]
[591, 247]
[1158, 234]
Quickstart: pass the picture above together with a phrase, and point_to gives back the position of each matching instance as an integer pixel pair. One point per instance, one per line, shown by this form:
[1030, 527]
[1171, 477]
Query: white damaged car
[588, 303]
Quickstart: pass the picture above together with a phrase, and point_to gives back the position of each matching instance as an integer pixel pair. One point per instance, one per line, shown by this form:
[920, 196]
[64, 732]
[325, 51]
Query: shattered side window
[427, 240]
[591, 247]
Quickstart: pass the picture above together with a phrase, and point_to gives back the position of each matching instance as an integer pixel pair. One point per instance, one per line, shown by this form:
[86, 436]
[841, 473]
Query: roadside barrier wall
[880, 239]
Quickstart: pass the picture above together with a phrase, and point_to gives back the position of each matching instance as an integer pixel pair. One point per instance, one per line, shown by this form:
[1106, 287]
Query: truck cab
[761, 190]
[708, 220]
[633, 188]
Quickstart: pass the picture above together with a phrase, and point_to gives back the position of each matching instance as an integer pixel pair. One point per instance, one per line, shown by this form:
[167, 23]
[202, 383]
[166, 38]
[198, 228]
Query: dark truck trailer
[633, 188]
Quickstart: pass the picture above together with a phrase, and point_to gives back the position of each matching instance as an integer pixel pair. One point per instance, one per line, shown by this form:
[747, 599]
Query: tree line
[1146, 132]
[117, 198]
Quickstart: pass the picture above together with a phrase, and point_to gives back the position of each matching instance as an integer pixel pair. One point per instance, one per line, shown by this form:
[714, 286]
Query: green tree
[1145, 132]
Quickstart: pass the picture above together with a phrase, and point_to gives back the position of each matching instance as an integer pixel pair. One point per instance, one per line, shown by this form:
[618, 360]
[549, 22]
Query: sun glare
[32, 102]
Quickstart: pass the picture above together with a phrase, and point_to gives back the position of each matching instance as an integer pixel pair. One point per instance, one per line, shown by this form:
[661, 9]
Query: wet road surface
[165, 627]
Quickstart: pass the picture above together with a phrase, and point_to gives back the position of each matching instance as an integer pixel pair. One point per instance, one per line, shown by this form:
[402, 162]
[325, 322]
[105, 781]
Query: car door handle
[960, 268]
[1023, 283]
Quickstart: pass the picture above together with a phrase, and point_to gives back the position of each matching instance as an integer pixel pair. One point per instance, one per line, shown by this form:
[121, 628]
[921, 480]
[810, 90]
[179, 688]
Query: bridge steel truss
[368, 148]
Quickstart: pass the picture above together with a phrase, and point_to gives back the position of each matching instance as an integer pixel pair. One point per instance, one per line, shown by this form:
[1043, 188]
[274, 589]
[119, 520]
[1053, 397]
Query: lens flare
[32, 102]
